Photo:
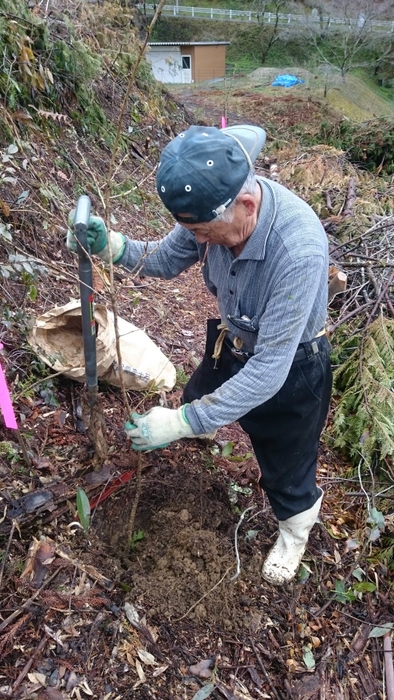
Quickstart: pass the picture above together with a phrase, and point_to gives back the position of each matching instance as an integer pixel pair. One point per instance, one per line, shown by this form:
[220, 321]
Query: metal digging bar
[93, 418]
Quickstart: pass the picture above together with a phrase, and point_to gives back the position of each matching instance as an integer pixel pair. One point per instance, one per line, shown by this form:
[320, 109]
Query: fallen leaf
[336, 532]
[140, 671]
[159, 671]
[5, 208]
[72, 680]
[85, 688]
[352, 544]
[132, 615]
[100, 476]
[308, 658]
[45, 463]
[146, 657]
[98, 281]
[382, 630]
[291, 665]
[204, 692]
[257, 680]
[37, 678]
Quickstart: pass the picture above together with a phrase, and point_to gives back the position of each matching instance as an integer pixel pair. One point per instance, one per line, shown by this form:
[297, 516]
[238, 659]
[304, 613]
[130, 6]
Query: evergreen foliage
[363, 423]
[54, 64]
[39, 66]
[386, 553]
[370, 144]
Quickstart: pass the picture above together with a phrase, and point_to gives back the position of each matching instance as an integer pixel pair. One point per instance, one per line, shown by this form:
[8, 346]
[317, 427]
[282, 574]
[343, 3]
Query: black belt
[303, 352]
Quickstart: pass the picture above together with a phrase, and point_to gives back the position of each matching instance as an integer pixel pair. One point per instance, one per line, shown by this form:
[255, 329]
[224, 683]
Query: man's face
[217, 232]
[223, 233]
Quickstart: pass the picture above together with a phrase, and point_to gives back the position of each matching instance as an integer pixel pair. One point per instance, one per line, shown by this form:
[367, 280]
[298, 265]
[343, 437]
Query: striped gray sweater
[273, 296]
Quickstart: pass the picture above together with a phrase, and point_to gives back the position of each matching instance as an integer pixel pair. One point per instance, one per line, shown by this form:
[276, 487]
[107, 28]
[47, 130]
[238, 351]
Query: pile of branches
[355, 207]
[362, 314]
[367, 259]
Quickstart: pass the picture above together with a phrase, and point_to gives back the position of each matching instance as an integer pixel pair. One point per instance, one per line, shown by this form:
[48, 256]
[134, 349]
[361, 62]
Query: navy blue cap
[202, 170]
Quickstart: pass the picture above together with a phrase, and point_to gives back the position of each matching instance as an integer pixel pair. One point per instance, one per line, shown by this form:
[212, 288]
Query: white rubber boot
[285, 556]
[208, 436]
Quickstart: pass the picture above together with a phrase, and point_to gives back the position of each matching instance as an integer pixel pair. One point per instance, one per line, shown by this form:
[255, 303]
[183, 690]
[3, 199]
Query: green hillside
[357, 92]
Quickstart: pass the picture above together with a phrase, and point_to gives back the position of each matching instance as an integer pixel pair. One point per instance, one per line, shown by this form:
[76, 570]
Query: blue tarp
[286, 80]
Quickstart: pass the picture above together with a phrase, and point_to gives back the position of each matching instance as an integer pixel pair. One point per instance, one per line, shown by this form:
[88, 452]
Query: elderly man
[264, 255]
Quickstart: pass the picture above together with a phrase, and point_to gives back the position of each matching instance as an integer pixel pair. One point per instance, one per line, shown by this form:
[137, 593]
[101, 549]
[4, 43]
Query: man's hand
[157, 428]
[99, 240]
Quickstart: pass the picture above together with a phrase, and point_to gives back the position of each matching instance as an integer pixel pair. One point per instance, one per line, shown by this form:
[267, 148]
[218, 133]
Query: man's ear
[249, 202]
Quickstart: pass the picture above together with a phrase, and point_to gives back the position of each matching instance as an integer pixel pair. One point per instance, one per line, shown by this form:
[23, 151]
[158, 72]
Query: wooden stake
[388, 666]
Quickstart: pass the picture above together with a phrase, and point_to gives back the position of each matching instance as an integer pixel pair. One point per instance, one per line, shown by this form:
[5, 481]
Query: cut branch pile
[355, 208]
[364, 264]
[363, 425]
[367, 260]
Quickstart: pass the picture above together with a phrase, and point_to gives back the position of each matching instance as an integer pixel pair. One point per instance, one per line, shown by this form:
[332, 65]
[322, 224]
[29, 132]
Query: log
[337, 284]
[351, 198]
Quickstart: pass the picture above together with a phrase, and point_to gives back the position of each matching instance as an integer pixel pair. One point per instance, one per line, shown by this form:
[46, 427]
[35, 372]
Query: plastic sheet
[286, 80]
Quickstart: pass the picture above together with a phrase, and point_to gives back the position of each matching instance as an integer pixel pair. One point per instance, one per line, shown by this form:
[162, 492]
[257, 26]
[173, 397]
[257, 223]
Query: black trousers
[285, 430]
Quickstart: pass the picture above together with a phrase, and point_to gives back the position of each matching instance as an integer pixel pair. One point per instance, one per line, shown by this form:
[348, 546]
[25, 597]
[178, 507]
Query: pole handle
[81, 223]
[82, 212]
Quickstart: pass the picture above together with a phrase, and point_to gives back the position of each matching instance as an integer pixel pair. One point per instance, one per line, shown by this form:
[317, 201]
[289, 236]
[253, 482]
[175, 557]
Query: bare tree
[346, 36]
[320, 9]
[271, 25]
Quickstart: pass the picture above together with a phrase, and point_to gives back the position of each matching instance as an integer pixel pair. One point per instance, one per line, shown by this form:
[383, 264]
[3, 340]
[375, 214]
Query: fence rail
[267, 17]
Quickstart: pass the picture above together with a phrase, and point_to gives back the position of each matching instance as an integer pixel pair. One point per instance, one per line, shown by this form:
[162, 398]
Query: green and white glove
[99, 240]
[158, 427]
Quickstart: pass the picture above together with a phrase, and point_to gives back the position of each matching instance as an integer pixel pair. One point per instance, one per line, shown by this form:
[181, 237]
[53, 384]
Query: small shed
[187, 61]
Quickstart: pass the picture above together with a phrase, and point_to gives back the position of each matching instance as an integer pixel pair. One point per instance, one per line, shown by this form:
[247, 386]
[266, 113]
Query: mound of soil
[184, 563]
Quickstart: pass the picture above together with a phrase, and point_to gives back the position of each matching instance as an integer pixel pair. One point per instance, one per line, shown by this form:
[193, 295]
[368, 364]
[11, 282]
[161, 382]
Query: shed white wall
[166, 62]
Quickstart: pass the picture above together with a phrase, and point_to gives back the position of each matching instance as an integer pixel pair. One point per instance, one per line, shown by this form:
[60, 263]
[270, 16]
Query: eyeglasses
[193, 219]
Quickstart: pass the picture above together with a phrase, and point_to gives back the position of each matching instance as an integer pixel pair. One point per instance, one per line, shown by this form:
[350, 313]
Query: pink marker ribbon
[224, 122]
[5, 401]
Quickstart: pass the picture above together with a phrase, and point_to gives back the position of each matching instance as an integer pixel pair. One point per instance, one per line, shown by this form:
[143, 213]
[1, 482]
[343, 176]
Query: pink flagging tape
[224, 122]
[5, 401]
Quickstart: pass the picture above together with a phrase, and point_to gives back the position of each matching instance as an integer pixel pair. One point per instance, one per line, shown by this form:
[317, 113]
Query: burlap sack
[56, 337]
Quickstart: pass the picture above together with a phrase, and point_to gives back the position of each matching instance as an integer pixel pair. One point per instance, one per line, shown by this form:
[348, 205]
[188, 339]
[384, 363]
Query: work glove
[97, 239]
[158, 427]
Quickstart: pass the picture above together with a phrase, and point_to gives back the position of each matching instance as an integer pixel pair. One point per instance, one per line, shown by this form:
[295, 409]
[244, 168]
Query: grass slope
[360, 100]
[355, 98]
